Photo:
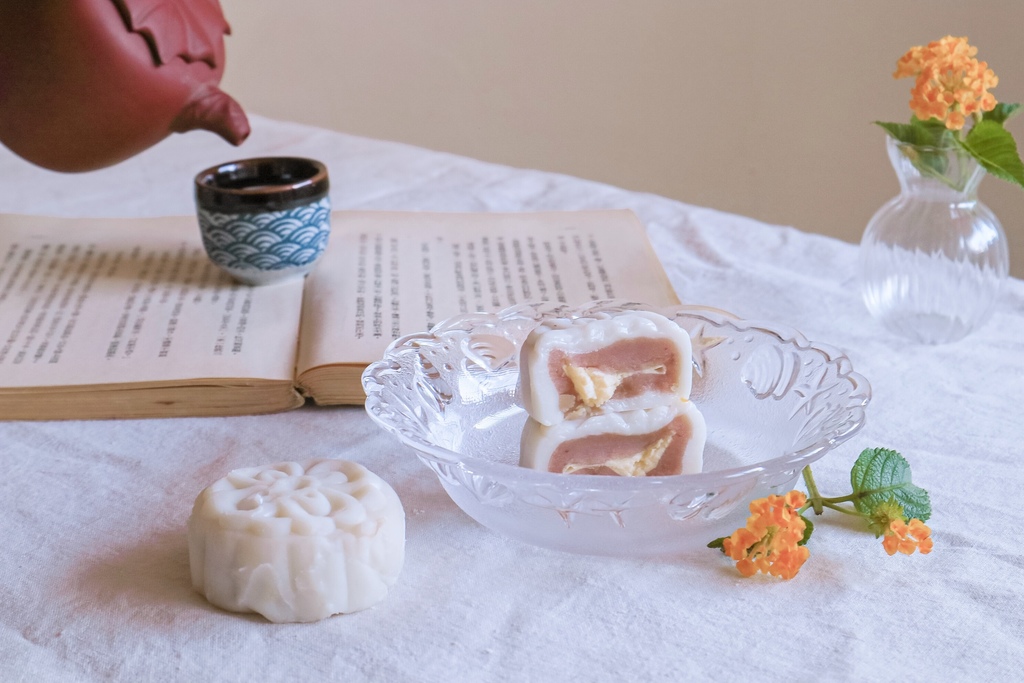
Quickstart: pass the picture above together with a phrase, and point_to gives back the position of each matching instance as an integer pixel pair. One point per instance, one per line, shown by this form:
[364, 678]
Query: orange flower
[769, 542]
[951, 84]
[906, 538]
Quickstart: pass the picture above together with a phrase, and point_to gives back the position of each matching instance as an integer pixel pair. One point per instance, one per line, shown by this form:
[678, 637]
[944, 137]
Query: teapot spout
[210, 108]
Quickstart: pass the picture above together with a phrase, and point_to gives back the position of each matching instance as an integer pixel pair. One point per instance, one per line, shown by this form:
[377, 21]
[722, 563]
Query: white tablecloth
[94, 579]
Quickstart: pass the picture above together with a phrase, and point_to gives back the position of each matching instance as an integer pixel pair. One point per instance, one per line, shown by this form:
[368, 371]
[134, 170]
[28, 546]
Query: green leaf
[934, 132]
[717, 543]
[904, 132]
[1003, 112]
[994, 148]
[930, 133]
[881, 475]
[930, 139]
[808, 530]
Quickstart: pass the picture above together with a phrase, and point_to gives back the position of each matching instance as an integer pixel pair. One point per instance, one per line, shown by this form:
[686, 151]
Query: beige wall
[759, 108]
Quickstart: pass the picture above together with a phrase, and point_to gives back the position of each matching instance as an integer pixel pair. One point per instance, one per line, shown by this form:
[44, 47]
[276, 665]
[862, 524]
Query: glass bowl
[773, 402]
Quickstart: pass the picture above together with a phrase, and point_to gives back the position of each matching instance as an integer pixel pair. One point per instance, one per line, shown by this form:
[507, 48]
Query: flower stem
[812, 490]
[843, 499]
[844, 510]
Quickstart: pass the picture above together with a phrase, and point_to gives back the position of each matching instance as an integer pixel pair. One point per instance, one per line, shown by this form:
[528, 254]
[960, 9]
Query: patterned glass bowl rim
[375, 383]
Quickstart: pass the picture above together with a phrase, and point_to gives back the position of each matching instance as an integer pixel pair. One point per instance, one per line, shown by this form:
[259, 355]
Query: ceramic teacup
[264, 220]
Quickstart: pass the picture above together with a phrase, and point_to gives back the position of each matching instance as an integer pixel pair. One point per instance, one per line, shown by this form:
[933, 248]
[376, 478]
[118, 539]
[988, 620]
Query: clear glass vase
[933, 259]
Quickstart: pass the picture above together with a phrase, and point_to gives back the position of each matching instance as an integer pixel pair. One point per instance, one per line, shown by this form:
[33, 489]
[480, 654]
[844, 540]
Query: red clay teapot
[88, 83]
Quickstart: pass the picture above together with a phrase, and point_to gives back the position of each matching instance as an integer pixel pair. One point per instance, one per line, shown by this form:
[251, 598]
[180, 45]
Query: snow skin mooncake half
[297, 542]
[574, 368]
[661, 441]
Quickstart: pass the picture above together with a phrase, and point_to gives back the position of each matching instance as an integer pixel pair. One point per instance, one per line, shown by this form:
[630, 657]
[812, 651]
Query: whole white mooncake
[297, 542]
[572, 368]
[661, 441]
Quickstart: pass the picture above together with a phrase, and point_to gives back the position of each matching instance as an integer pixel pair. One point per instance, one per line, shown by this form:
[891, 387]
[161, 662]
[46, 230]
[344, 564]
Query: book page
[98, 301]
[387, 274]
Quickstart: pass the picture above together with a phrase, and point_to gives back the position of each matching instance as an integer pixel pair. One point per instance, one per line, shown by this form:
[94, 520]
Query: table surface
[94, 578]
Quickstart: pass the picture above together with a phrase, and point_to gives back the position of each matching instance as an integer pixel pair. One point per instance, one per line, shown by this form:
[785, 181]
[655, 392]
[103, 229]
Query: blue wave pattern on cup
[267, 241]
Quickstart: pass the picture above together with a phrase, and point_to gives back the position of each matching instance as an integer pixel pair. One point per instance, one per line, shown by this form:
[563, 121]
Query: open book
[117, 318]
